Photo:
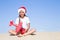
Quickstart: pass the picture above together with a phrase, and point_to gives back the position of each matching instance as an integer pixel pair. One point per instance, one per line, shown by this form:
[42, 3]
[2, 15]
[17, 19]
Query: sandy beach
[37, 36]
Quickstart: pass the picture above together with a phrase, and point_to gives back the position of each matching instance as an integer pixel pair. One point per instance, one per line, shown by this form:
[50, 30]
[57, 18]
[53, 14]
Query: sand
[37, 36]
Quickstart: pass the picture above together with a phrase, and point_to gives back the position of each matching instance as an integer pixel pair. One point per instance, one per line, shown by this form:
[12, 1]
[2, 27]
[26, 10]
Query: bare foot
[20, 35]
[25, 34]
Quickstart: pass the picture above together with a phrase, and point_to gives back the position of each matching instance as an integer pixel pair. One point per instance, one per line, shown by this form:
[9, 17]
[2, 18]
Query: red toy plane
[18, 27]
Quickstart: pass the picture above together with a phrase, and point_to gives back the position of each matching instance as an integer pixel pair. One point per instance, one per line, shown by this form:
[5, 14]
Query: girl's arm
[28, 27]
[15, 25]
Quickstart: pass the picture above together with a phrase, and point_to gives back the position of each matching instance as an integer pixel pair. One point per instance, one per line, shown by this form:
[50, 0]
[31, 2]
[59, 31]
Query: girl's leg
[30, 32]
[12, 32]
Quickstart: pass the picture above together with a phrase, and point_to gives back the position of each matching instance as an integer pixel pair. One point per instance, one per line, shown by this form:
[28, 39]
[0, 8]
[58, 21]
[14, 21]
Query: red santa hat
[22, 8]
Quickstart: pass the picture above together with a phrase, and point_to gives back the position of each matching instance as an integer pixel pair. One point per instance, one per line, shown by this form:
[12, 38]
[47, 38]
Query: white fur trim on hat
[21, 9]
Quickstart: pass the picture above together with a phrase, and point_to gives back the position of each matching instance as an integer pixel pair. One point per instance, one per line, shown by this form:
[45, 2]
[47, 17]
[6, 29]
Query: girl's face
[22, 13]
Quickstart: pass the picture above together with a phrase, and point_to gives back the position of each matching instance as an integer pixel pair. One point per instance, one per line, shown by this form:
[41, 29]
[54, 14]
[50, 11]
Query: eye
[22, 12]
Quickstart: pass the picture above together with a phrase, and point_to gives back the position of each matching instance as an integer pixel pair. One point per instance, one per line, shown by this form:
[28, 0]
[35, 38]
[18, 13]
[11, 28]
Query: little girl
[25, 30]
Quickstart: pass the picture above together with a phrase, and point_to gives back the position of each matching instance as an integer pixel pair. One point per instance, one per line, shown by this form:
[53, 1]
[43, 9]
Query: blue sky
[44, 14]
